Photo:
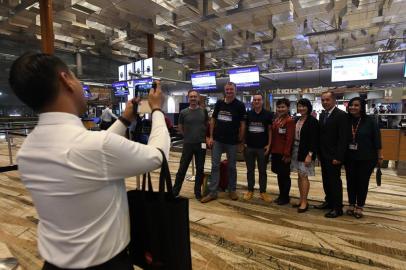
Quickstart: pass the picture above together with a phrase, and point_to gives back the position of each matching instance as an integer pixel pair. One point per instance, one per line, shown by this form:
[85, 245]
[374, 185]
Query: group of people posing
[338, 138]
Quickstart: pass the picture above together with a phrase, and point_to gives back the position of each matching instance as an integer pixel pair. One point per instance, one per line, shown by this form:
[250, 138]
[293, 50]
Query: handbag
[160, 237]
[378, 176]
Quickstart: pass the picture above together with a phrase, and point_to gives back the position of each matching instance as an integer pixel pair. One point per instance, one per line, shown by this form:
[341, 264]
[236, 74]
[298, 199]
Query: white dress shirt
[107, 115]
[76, 180]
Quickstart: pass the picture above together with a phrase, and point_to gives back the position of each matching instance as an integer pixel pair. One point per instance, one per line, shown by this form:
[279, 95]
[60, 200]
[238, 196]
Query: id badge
[203, 146]
[282, 130]
[353, 146]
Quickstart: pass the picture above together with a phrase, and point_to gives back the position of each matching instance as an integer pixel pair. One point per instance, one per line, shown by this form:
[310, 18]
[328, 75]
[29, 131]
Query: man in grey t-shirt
[192, 124]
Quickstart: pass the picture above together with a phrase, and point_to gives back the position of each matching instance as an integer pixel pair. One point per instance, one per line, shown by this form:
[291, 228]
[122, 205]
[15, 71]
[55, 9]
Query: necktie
[325, 117]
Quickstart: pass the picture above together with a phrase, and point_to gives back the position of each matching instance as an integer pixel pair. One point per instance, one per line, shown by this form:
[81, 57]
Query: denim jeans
[253, 155]
[189, 150]
[231, 152]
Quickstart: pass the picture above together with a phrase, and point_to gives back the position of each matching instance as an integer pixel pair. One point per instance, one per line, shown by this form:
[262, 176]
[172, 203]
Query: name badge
[282, 131]
[203, 146]
[353, 146]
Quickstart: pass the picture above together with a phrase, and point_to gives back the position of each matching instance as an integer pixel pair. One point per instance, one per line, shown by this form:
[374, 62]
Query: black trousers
[253, 155]
[189, 150]
[332, 184]
[282, 171]
[358, 173]
[121, 261]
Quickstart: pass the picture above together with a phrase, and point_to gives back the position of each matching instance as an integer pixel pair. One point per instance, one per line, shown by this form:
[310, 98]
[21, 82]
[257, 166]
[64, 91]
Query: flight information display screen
[355, 68]
[244, 77]
[204, 80]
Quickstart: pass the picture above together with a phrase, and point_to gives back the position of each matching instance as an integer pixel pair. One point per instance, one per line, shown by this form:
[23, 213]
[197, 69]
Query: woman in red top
[283, 131]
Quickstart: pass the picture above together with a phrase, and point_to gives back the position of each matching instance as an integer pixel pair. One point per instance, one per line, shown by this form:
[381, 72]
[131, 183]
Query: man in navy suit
[333, 145]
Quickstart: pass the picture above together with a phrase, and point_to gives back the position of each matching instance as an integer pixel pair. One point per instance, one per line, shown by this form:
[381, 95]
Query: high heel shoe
[302, 210]
[350, 211]
[358, 212]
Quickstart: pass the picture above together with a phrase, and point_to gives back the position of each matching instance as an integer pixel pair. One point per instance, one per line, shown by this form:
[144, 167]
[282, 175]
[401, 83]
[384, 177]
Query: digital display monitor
[244, 77]
[120, 89]
[86, 91]
[355, 68]
[204, 80]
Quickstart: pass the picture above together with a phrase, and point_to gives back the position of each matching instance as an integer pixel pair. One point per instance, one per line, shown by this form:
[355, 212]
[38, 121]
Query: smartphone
[141, 89]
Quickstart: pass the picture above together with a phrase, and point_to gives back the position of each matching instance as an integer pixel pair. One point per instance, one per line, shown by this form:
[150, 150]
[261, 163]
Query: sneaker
[233, 195]
[248, 196]
[208, 198]
[265, 197]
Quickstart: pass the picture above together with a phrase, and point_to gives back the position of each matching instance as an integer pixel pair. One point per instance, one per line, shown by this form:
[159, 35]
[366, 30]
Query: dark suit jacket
[309, 138]
[333, 135]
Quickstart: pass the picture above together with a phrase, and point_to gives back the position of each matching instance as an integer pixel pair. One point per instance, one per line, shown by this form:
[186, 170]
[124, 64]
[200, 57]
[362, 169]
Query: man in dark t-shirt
[258, 143]
[227, 127]
[192, 124]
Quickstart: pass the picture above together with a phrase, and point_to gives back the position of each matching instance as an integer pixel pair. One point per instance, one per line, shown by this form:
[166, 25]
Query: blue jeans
[231, 152]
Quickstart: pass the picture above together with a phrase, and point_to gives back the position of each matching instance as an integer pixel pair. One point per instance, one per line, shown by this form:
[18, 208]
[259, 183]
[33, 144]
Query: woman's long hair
[362, 102]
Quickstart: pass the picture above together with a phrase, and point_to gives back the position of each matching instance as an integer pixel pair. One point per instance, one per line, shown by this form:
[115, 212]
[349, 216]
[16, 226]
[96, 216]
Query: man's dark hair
[233, 84]
[306, 103]
[34, 78]
[192, 90]
[333, 95]
[283, 101]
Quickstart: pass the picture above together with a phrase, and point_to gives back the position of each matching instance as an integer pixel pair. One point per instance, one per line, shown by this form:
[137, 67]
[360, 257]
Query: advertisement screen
[355, 68]
[204, 80]
[130, 69]
[148, 67]
[120, 89]
[122, 75]
[244, 77]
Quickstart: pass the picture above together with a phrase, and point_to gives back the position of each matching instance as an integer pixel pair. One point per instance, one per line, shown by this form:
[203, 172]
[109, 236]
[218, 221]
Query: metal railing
[11, 130]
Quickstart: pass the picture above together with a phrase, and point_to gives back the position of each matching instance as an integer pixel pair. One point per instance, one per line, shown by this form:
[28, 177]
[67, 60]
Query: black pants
[105, 125]
[189, 150]
[121, 261]
[358, 173]
[332, 184]
[282, 170]
[251, 155]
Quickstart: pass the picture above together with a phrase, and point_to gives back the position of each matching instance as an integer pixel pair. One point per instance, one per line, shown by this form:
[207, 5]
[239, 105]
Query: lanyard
[354, 130]
[279, 121]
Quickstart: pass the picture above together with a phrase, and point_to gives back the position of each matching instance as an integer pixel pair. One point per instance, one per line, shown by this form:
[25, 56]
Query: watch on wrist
[125, 122]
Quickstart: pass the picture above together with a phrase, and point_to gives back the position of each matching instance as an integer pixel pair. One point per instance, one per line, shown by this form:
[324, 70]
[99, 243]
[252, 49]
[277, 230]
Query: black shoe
[282, 202]
[334, 213]
[276, 200]
[302, 210]
[324, 205]
[198, 197]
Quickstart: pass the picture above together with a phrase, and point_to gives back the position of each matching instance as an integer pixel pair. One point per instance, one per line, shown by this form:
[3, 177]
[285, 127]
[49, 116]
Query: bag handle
[165, 176]
[144, 176]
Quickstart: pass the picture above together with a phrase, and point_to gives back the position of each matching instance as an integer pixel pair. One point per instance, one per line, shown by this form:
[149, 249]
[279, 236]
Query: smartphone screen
[141, 88]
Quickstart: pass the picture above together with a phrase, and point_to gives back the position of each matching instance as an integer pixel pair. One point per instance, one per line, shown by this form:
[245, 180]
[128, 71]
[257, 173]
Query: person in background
[227, 127]
[192, 125]
[107, 117]
[373, 109]
[283, 131]
[363, 154]
[80, 197]
[258, 145]
[304, 150]
[333, 144]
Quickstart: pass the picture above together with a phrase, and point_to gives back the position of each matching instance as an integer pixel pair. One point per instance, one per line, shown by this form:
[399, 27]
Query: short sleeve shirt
[257, 135]
[228, 117]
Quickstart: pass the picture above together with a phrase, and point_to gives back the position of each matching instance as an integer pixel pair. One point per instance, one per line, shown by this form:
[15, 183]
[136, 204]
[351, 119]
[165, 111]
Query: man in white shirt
[76, 176]
[107, 117]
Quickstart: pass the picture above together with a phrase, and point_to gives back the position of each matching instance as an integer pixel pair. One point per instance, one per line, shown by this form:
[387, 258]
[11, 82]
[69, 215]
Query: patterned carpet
[229, 234]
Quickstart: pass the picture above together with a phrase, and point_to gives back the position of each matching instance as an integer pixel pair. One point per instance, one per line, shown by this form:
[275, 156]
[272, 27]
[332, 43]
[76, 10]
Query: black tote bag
[160, 237]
